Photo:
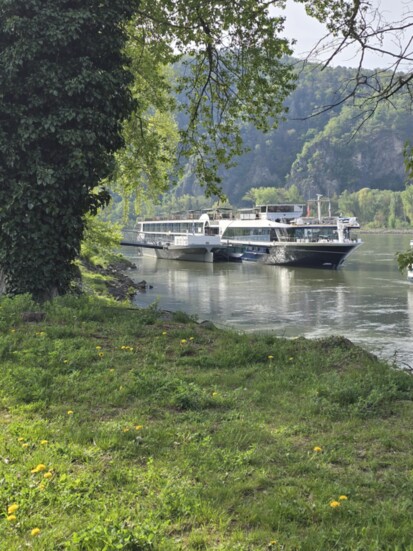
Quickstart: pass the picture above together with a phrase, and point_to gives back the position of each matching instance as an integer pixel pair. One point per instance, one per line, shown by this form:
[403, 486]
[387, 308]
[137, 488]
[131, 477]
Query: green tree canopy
[65, 90]
[63, 95]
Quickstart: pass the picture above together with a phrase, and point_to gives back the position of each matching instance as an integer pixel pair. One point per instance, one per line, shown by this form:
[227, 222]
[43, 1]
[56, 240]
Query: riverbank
[125, 429]
[408, 231]
[112, 280]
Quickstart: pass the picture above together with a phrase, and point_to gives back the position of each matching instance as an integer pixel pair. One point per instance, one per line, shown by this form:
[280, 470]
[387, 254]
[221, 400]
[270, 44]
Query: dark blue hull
[310, 255]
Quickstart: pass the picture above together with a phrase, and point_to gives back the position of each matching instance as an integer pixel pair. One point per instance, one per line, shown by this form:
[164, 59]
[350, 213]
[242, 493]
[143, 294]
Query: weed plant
[125, 429]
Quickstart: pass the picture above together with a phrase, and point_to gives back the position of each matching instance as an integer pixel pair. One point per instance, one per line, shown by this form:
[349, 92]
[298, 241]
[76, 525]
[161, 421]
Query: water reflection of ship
[249, 296]
[410, 307]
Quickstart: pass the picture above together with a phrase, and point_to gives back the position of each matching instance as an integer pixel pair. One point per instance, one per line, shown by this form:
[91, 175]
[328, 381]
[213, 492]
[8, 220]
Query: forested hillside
[328, 153]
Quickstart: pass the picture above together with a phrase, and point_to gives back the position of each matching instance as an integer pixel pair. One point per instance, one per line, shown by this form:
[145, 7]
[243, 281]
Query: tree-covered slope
[342, 148]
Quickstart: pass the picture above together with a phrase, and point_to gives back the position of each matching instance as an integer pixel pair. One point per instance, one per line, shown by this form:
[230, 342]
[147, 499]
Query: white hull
[192, 247]
[192, 255]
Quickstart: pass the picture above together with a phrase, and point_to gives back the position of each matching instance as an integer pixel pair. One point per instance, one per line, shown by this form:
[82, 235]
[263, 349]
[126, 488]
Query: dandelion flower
[98, 347]
[44, 442]
[70, 412]
[11, 518]
[25, 445]
[334, 504]
[65, 361]
[183, 341]
[215, 394]
[12, 330]
[35, 532]
[343, 498]
[164, 333]
[270, 357]
[101, 354]
[139, 427]
[317, 449]
[40, 467]
[126, 429]
[48, 475]
[191, 338]
[41, 487]
[20, 439]
[291, 359]
[12, 508]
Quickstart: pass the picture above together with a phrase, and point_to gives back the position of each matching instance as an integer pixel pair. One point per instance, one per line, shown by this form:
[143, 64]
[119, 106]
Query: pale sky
[307, 31]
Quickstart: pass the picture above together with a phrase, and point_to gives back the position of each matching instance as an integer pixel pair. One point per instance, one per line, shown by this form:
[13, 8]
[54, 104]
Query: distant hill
[328, 153]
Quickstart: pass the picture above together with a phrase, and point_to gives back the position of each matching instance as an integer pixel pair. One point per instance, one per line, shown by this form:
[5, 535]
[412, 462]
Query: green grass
[181, 437]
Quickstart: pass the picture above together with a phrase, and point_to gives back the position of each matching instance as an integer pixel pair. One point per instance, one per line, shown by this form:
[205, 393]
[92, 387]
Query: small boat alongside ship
[271, 234]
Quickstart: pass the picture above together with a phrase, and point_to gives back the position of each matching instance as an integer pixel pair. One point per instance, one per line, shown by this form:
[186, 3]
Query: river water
[367, 300]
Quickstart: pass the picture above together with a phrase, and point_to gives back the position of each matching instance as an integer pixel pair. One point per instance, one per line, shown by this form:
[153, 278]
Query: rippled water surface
[367, 300]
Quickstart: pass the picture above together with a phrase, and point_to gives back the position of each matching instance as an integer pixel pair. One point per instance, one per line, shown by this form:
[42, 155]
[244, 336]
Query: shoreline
[386, 230]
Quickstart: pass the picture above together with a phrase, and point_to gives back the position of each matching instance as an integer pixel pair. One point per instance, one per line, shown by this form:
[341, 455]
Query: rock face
[330, 166]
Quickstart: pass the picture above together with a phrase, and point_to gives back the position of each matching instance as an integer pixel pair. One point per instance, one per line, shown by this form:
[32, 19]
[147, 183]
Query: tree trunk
[2, 284]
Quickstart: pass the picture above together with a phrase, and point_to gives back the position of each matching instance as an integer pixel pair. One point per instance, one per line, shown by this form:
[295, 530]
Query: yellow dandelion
[12, 330]
[215, 394]
[164, 333]
[25, 445]
[317, 449]
[40, 467]
[270, 357]
[138, 427]
[183, 341]
[48, 475]
[291, 359]
[65, 361]
[41, 487]
[35, 532]
[130, 348]
[123, 347]
[70, 412]
[44, 442]
[12, 508]
[20, 439]
[191, 338]
[126, 429]
[98, 347]
[334, 504]
[11, 518]
[272, 542]
[343, 498]
[101, 354]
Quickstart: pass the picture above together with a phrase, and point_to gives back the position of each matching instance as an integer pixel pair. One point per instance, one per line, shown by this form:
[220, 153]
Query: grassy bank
[126, 429]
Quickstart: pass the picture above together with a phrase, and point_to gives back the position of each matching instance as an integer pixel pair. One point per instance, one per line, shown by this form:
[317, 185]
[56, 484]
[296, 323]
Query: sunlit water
[367, 300]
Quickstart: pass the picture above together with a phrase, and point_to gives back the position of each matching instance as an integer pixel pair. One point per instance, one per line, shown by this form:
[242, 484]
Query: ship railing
[248, 238]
